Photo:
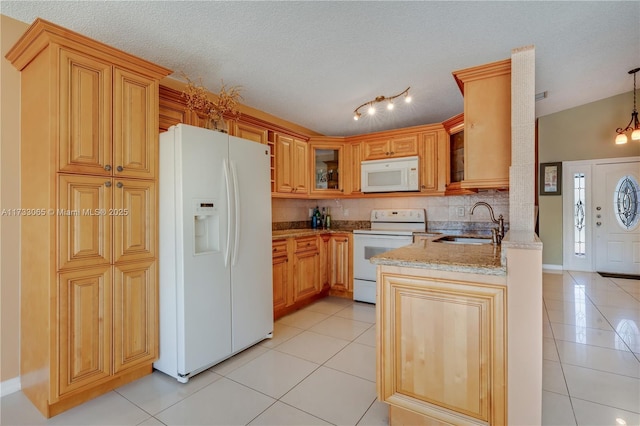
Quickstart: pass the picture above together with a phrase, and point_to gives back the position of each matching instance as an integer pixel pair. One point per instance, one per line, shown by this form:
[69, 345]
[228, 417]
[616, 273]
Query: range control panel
[399, 215]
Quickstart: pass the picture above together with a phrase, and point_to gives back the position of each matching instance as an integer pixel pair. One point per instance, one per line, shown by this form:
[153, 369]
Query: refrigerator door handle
[236, 224]
[225, 167]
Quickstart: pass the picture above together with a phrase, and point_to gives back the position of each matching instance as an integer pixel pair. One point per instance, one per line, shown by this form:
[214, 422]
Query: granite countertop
[304, 232]
[480, 259]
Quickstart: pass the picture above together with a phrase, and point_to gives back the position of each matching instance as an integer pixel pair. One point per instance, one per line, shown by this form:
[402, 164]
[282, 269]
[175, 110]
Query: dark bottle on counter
[315, 217]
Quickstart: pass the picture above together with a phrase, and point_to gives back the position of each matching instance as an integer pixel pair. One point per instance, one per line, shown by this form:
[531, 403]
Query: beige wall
[10, 31]
[583, 133]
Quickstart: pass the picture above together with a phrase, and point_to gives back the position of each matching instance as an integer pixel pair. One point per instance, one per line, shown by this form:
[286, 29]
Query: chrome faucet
[499, 233]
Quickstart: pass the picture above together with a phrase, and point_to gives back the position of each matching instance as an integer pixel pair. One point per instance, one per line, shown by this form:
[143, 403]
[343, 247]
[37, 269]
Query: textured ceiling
[313, 62]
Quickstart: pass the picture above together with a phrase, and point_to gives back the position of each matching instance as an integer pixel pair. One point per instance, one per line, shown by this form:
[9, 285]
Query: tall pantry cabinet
[89, 135]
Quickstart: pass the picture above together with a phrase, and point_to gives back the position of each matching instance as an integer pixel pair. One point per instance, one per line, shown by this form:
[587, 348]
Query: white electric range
[390, 229]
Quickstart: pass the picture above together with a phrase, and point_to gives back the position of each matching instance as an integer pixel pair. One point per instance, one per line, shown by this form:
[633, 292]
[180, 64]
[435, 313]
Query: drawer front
[306, 244]
[279, 248]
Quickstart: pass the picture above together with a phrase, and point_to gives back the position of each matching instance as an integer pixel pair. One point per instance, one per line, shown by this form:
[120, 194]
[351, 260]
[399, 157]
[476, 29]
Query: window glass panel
[579, 215]
[625, 202]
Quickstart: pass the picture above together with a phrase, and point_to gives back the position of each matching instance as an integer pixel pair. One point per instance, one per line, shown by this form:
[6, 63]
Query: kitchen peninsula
[444, 330]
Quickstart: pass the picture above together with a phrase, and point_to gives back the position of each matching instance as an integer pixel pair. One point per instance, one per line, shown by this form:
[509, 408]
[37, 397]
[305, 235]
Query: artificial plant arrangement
[214, 110]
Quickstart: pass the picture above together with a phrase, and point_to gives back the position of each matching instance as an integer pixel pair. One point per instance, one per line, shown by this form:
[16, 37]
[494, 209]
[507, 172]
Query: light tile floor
[591, 365]
[320, 369]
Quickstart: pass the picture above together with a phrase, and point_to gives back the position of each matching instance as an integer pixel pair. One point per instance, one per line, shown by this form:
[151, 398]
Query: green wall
[586, 132]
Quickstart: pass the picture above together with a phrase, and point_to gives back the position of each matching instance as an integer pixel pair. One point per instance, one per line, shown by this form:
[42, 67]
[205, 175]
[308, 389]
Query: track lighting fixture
[389, 99]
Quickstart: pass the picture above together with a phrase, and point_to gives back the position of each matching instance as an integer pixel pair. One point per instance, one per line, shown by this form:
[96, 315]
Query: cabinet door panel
[355, 163]
[284, 161]
[306, 275]
[84, 226]
[340, 256]
[135, 318]
[135, 125]
[280, 282]
[300, 169]
[252, 133]
[404, 146]
[443, 348]
[429, 164]
[134, 215]
[85, 114]
[84, 327]
[376, 149]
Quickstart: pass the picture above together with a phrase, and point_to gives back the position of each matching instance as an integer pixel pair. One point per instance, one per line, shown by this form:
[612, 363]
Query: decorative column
[523, 156]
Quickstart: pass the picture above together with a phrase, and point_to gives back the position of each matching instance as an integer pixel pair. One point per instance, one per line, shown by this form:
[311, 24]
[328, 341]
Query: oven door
[367, 245]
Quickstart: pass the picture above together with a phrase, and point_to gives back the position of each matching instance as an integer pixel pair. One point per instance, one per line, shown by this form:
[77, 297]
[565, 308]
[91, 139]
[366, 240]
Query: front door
[616, 217]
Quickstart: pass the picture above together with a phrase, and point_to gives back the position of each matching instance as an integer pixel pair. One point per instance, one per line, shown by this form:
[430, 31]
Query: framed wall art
[551, 178]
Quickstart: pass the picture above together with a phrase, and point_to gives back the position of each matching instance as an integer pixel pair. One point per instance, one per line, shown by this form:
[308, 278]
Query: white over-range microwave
[390, 175]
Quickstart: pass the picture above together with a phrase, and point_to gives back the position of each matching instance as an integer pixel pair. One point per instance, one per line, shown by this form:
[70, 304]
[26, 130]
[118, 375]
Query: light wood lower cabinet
[341, 265]
[135, 313]
[310, 267]
[281, 276]
[442, 347]
[84, 327]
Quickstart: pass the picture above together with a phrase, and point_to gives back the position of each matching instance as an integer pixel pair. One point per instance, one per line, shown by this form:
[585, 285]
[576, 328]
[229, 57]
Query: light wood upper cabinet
[171, 108]
[135, 127]
[354, 159]
[85, 113]
[397, 146]
[327, 166]
[108, 118]
[487, 124]
[442, 347]
[89, 286]
[292, 172]
[251, 132]
[433, 157]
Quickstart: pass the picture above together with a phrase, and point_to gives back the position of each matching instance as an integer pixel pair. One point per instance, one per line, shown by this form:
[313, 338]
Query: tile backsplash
[439, 209]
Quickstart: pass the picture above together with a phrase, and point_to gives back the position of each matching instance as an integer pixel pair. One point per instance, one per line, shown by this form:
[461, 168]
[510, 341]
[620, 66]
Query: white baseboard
[10, 386]
[546, 267]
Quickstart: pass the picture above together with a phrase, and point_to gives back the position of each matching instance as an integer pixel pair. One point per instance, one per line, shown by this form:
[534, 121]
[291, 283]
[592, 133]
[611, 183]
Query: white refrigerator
[216, 293]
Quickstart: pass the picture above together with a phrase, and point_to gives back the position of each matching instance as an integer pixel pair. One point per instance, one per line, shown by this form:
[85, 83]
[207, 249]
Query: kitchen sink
[456, 239]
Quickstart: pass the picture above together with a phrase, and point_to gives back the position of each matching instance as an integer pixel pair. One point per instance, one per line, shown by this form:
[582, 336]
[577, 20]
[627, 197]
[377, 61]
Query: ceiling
[314, 62]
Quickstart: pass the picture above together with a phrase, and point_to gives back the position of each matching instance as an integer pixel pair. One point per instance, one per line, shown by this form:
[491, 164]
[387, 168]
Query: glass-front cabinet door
[327, 164]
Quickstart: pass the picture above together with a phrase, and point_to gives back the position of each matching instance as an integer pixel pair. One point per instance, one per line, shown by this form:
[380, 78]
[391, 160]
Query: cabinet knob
[108, 184]
[107, 167]
[392, 152]
[119, 185]
[386, 153]
[423, 186]
[119, 168]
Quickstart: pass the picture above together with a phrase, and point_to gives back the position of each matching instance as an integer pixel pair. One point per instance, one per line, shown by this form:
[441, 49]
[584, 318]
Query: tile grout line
[564, 376]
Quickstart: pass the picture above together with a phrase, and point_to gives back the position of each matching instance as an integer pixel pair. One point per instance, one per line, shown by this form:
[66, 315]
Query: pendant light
[634, 124]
